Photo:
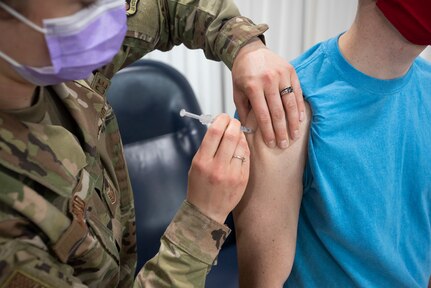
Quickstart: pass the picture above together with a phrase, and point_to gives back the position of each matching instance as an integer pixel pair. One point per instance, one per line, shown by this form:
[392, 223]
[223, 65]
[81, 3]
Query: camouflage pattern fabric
[66, 206]
[212, 25]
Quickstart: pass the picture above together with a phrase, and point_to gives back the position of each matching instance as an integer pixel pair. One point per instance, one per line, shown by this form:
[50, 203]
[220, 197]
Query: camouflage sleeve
[188, 248]
[212, 25]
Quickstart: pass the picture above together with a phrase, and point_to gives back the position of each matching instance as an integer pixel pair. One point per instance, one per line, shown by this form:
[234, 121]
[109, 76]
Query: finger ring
[286, 90]
[242, 158]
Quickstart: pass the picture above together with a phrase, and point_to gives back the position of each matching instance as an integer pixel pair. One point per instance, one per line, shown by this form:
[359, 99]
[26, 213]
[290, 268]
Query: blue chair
[159, 146]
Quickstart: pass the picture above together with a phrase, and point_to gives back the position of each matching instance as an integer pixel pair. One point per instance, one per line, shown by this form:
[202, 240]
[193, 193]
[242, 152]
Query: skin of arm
[266, 219]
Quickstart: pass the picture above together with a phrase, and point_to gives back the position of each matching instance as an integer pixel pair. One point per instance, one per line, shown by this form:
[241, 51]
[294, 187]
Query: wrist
[252, 45]
[196, 234]
[217, 217]
[236, 33]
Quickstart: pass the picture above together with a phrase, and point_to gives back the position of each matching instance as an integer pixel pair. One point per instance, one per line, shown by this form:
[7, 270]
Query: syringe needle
[184, 113]
[207, 119]
[204, 119]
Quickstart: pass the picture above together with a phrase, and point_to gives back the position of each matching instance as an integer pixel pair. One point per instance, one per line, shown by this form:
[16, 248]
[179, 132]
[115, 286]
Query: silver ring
[242, 158]
[286, 90]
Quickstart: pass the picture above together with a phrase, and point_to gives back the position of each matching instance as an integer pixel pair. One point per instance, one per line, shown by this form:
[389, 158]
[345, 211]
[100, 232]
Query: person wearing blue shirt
[349, 204]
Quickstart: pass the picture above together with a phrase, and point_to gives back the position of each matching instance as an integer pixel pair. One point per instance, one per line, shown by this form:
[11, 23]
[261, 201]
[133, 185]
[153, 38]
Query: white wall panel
[427, 53]
[204, 76]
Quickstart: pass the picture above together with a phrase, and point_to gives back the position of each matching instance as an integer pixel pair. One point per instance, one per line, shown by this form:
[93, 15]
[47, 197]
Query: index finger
[213, 137]
[294, 106]
[298, 94]
[263, 117]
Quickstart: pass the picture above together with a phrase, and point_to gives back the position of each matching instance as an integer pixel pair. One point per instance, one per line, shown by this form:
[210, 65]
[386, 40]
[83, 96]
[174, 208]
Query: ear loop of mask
[9, 60]
[22, 18]
[25, 21]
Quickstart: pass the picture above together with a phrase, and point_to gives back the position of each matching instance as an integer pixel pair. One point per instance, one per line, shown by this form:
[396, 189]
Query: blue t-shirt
[365, 218]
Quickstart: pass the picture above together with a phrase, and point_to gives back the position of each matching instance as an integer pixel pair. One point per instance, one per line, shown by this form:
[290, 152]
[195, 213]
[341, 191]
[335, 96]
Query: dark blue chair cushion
[159, 147]
[147, 98]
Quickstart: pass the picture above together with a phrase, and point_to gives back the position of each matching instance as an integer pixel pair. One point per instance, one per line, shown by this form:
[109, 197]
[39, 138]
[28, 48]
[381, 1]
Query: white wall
[295, 25]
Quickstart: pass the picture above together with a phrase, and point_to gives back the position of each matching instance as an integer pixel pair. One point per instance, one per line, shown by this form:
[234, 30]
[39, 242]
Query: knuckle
[298, 90]
[293, 127]
[269, 76]
[198, 165]
[283, 71]
[278, 114]
[236, 122]
[290, 102]
[232, 180]
[290, 68]
[243, 144]
[250, 87]
[215, 178]
[273, 96]
[263, 117]
[246, 152]
[230, 137]
[215, 132]
[239, 101]
[224, 118]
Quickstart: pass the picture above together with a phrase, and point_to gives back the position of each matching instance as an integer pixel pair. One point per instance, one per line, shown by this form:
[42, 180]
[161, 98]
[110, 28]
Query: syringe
[208, 119]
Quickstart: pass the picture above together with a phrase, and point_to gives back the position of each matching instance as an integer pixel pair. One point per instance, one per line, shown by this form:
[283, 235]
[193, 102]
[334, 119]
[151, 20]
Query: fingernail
[271, 144]
[284, 144]
[302, 116]
[296, 135]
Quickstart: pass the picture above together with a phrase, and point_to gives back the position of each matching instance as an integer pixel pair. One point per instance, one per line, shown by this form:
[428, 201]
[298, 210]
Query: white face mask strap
[9, 60]
[22, 18]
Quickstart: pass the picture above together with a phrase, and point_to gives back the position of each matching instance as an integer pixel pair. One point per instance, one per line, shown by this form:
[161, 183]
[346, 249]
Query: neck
[373, 46]
[15, 93]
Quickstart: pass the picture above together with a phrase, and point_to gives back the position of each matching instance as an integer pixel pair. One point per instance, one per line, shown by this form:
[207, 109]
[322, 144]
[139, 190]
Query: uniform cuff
[237, 32]
[196, 233]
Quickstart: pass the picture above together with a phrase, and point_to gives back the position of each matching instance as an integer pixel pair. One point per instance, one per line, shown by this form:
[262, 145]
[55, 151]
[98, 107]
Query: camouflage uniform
[66, 205]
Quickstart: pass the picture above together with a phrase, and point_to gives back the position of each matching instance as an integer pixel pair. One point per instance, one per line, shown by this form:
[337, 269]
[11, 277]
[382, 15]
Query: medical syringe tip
[208, 119]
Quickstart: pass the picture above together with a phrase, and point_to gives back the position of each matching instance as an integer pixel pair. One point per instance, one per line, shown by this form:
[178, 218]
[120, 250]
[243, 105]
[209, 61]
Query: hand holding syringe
[208, 119]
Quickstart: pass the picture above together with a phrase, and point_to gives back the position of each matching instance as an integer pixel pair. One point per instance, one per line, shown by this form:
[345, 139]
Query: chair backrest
[159, 145]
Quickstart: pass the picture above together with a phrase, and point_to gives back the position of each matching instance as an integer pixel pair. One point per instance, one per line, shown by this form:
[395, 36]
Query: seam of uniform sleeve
[235, 33]
[196, 233]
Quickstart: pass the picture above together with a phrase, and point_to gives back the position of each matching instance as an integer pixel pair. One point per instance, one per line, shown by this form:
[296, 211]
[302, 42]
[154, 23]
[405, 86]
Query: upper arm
[267, 217]
[214, 26]
[196, 24]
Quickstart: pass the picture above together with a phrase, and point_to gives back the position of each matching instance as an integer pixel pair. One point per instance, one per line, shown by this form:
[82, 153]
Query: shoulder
[315, 56]
[309, 57]
[424, 66]
[314, 64]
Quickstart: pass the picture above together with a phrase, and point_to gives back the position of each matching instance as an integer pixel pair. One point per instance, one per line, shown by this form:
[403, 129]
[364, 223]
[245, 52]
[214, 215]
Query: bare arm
[266, 219]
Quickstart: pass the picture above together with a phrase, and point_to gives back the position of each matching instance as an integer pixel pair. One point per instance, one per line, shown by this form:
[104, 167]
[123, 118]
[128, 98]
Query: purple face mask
[78, 44]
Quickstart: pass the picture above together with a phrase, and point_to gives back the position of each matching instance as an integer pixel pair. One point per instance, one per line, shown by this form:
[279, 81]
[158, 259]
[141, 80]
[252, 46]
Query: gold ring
[242, 158]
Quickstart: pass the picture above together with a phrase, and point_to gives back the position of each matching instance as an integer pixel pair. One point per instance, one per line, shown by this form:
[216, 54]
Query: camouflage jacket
[66, 205]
